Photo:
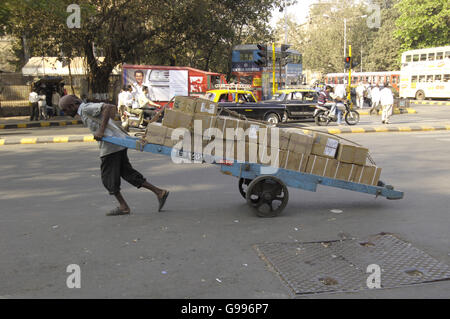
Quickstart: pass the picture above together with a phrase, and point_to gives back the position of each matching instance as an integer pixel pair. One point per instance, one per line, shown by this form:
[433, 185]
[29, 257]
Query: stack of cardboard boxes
[315, 153]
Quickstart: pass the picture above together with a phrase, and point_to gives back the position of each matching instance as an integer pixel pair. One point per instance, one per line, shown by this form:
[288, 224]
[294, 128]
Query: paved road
[201, 246]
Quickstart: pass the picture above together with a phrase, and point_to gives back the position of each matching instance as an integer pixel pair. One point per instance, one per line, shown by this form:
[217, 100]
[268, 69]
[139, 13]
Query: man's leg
[383, 114]
[135, 178]
[388, 113]
[139, 113]
[110, 170]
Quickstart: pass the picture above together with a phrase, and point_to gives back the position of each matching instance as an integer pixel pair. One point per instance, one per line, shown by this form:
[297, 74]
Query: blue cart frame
[268, 187]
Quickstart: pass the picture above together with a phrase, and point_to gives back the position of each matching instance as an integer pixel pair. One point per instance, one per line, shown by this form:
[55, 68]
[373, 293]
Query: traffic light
[350, 63]
[262, 53]
[284, 54]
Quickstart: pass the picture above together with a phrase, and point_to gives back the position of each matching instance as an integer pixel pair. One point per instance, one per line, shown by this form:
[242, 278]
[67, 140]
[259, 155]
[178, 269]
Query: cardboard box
[300, 143]
[324, 145]
[284, 137]
[352, 154]
[321, 166]
[345, 171]
[168, 139]
[176, 119]
[369, 175]
[184, 104]
[156, 133]
[232, 128]
[206, 121]
[204, 106]
[268, 155]
[293, 161]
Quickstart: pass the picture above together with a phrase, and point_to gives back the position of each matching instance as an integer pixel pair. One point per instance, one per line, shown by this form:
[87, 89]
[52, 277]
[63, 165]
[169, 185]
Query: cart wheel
[267, 195]
[243, 186]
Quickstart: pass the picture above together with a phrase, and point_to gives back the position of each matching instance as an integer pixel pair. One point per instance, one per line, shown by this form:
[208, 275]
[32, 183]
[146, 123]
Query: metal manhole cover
[337, 266]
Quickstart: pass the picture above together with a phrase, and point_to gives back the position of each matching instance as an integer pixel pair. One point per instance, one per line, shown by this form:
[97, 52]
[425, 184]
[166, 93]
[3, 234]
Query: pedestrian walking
[387, 101]
[375, 95]
[114, 159]
[34, 110]
[360, 95]
[55, 103]
[42, 105]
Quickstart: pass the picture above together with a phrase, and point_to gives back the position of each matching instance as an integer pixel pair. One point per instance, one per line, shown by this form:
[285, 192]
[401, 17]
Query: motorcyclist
[326, 99]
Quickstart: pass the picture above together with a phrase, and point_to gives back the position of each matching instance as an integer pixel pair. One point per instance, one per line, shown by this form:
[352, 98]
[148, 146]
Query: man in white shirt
[125, 99]
[360, 95]
[42, 105]
[55, 103]
[34, 111]
[375, 95]
[387, 101]
[339, 95]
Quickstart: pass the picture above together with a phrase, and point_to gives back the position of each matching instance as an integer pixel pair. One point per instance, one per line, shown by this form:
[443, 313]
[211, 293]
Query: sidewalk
[24, 122]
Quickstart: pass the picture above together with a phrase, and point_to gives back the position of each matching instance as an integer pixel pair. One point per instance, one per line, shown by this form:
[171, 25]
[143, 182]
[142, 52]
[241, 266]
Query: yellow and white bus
[425, 73]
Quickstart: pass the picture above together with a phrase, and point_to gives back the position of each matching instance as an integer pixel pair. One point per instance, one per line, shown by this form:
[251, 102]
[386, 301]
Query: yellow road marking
[62, 123]
[21, 125]
[61, 139]
[75, 122]
[28, 140]
[44, 124]
[334, 131]
[381, 129]
[427, 128]
[358, 130]
[2, 126]
[88, 139]
[404, 129]
[2, 142]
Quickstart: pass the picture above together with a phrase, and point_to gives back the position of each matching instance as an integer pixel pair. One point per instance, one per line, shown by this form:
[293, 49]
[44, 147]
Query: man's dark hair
[138, 71]
[144, 88]
[125, 87]
[129, 87]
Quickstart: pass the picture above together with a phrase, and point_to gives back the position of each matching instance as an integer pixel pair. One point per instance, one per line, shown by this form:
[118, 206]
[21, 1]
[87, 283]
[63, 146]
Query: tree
[384, 52]
[423, 23]
[197, 33]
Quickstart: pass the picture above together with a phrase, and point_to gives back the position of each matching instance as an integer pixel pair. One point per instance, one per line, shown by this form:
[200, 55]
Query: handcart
[265, 189]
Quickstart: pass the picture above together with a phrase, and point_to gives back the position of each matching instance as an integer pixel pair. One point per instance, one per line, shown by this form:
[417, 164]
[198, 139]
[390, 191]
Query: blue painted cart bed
[264, 190]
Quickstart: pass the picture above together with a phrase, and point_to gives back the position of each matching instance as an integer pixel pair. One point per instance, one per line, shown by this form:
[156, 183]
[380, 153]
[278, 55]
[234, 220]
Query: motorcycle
[131, 120]
[327, 113]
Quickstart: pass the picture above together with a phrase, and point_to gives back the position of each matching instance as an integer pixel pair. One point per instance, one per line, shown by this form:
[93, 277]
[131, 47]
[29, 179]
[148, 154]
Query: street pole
[273, 69]
[345, 38]
[349, 96]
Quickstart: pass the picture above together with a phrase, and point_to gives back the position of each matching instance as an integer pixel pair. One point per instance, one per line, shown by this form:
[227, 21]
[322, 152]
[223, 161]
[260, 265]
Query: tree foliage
[197, 33]
[423, 23]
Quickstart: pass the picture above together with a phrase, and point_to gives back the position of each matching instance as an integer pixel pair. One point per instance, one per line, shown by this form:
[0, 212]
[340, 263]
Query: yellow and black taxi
[298, 103]
[284, 105]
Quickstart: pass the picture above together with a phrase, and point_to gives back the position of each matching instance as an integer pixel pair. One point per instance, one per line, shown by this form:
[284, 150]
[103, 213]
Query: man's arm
[108, 112]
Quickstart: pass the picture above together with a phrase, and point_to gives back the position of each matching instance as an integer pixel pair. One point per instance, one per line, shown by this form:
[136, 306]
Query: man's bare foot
[117, 212]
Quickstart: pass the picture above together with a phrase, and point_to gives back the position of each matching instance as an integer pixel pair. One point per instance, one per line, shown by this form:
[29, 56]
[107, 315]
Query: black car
[285, 105]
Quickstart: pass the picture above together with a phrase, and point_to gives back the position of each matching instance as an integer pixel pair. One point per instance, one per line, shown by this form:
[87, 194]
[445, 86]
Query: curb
[346, 130]
[40, 124]
[384, 129]
[396, 111]
[48, 139]
[429, 103]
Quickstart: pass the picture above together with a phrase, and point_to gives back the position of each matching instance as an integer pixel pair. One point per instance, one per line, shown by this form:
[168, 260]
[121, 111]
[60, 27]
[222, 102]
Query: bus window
[423, 57]
[421, 78]
[446, 77]
[394, 79]
[414, 79]
[429, 78]
[447, 55]
[437, 78]
[415, 57]
[430, 56]
[408, 58]
[440, 56]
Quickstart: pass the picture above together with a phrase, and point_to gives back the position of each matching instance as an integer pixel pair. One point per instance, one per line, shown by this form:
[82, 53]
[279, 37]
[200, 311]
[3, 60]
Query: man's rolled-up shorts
[117, 165]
